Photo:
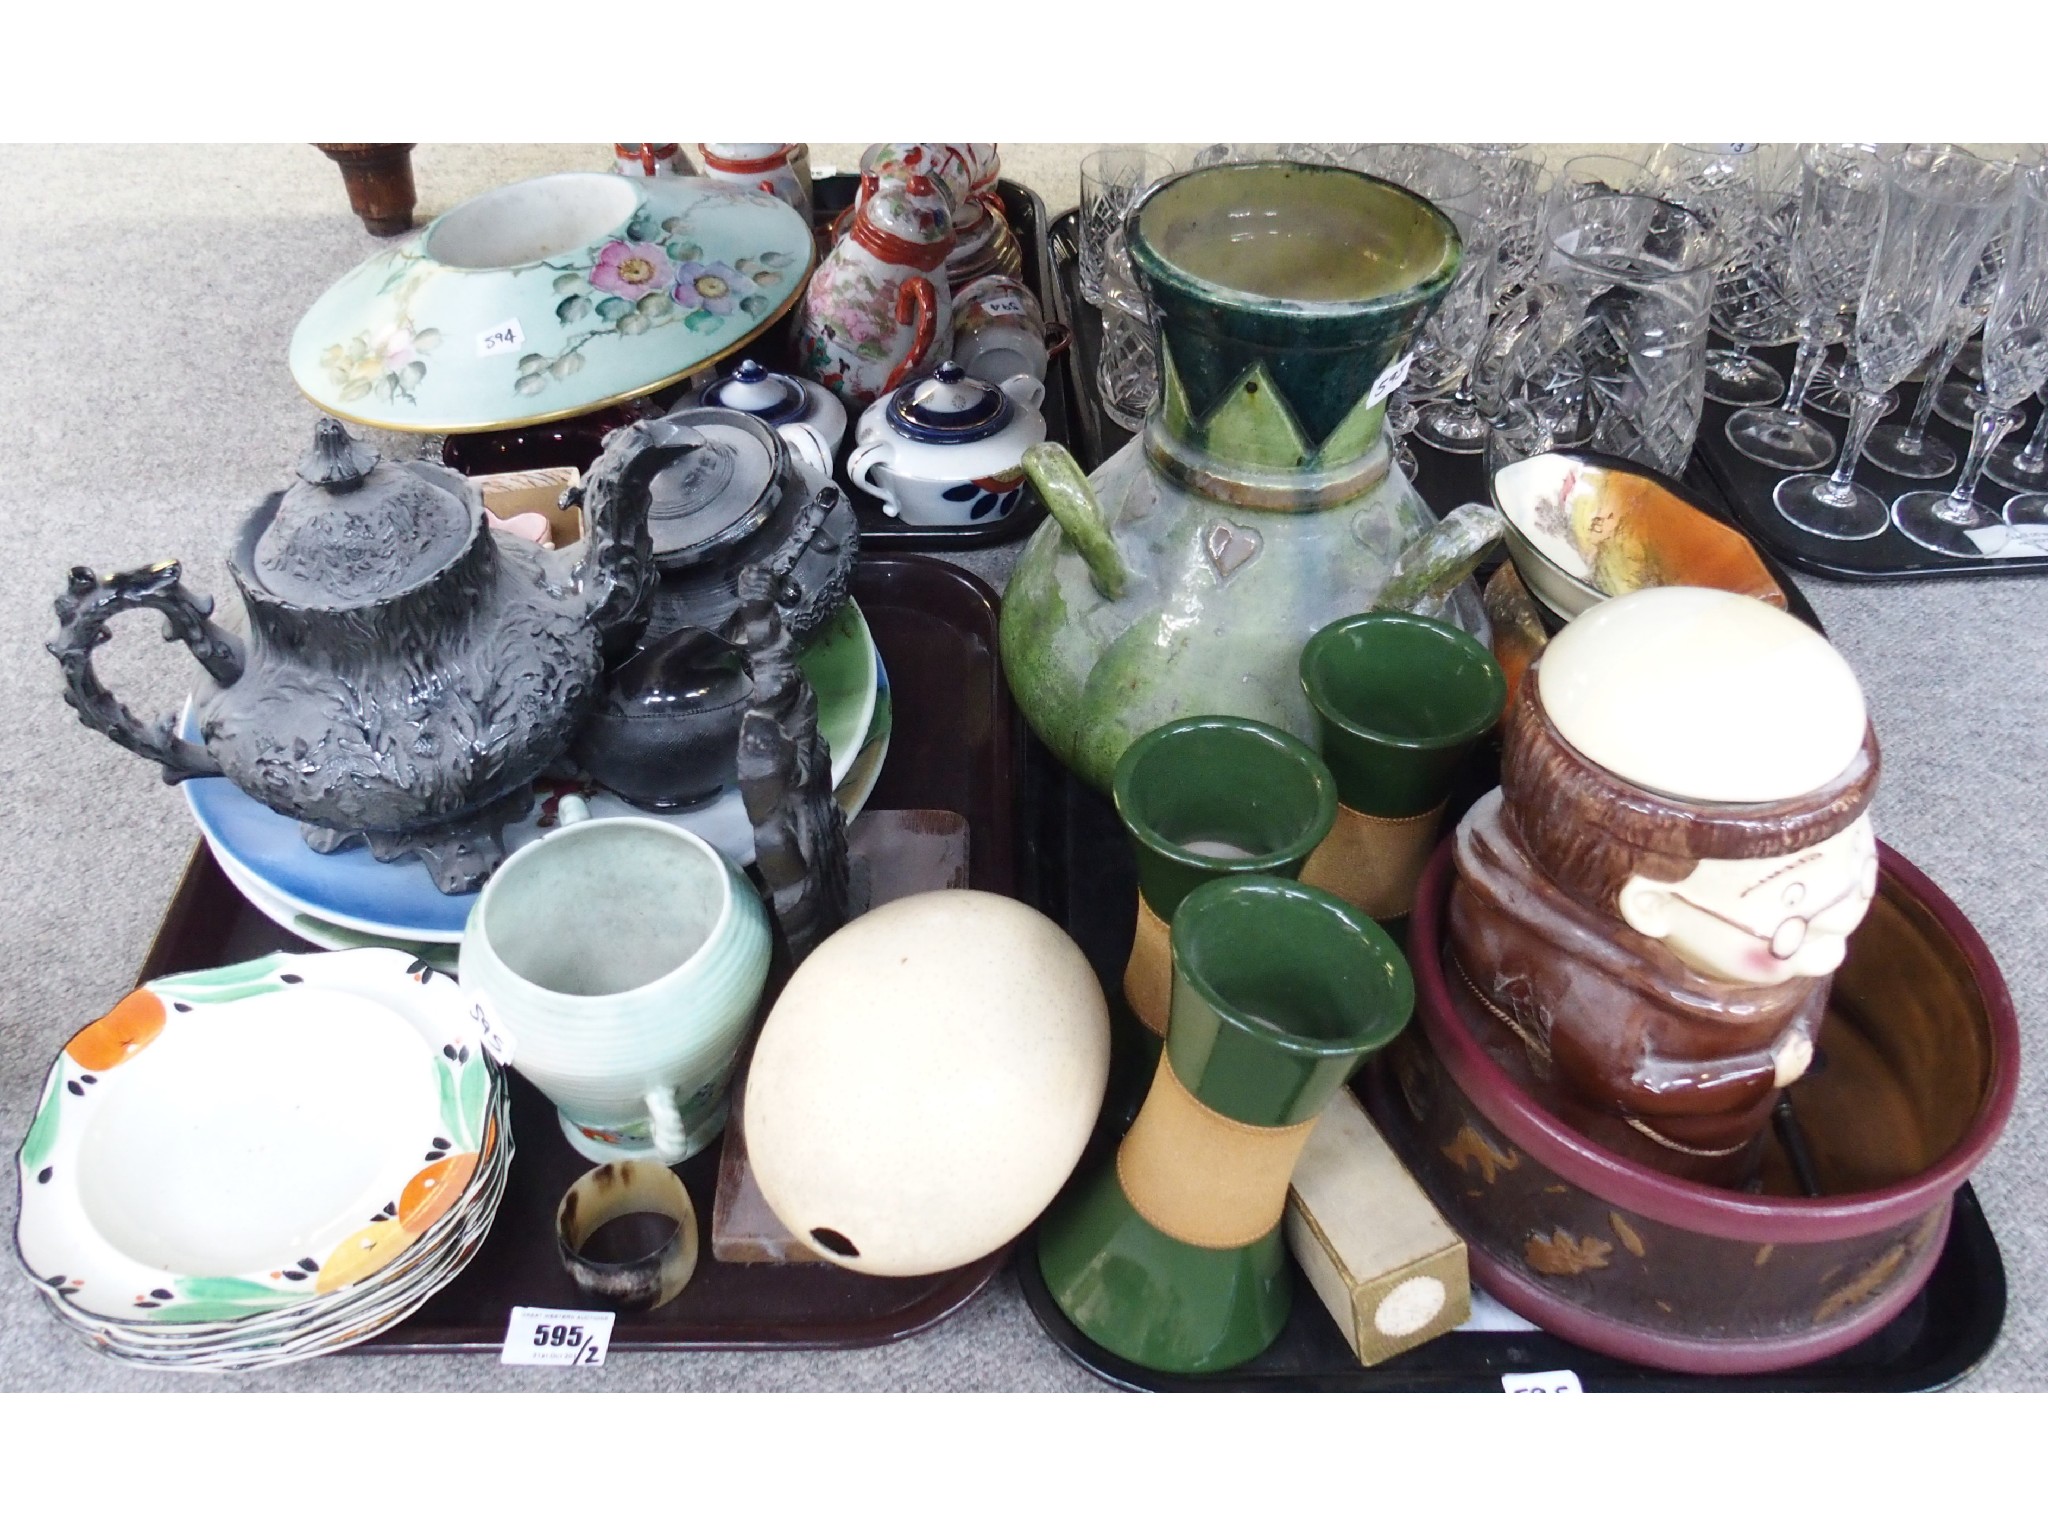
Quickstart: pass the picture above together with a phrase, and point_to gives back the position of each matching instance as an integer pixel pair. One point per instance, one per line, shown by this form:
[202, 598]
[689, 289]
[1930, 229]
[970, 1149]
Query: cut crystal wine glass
[1445, 417]
[1841, 192]
[2024, 467]
[1939, 204]
[1737, 189]
[2015, 365]
[1112, 180]
[1907, 451]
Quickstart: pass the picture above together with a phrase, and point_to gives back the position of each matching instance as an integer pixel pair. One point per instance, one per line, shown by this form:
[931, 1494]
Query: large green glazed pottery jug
[1261, 501]
[1171, 1255]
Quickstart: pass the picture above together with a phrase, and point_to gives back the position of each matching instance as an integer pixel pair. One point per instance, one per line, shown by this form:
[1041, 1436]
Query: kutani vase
[1261, 501]
[1171, 1256]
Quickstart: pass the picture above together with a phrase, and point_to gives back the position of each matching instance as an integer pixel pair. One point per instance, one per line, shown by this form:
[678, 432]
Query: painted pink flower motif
[632, 270]
[711, 286]
[393, 346]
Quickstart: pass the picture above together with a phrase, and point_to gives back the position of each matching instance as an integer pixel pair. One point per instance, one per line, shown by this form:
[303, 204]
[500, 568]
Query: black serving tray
[1079, 870]
[1745, 486]
[954, 749]
[831, 196]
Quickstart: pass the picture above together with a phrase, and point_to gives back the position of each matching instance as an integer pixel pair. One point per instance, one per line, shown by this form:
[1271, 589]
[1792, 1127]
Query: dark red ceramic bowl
[1919, 1061]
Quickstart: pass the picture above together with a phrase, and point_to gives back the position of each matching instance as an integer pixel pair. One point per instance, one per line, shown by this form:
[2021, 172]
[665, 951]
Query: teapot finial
[337, 461]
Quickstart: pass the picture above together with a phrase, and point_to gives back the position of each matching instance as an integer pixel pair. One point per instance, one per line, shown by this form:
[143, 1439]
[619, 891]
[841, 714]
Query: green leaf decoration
[702, 321]
[653, 305]
[566, 364]
[413, 372]
[1173, 398]
[451, 1100]
[530, 383]
[227, 982]
[1252, 425]
[632, 323]
[533, 362]
[355, 389]
[775, 259]
[613, 307]
[476, 1088]
[643, 228]
[42, 1131]
[1355, 435]
[426, 340]
[686, 250]
[575, 307]
[230, 1289]
[674, 224]
[569, 282]
[755, 304]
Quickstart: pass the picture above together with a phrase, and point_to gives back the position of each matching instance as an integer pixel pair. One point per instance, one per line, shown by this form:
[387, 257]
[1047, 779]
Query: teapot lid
[915, 211]
[355, 529]
[949, 405]
[1703, 695]
[721, 490]
[774, 397]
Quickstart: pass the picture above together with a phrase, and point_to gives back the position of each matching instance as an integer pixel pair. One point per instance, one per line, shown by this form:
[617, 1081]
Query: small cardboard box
[511, 492]
[1375, 1250]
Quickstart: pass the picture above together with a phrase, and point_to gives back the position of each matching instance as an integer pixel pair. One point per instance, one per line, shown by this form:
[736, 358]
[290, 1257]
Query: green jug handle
[1071, 499]
[1435, 563]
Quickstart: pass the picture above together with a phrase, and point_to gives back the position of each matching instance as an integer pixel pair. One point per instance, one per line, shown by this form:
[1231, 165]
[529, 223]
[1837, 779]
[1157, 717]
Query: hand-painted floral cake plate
[345, 898]
[550, 298]
[235, 1160]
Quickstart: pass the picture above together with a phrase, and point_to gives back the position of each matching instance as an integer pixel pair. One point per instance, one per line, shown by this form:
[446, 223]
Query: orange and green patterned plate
[227, 1143]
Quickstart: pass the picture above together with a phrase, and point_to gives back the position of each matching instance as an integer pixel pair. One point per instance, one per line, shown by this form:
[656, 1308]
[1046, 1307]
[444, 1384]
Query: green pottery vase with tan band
[1400, 701]
[1171, 1255]
[1202, 799]
[1261, 500]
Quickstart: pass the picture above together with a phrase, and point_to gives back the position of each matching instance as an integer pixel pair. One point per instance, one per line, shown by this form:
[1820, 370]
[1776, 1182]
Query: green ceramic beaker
[1399, 701]
[1202, 798]
[1171, 1256]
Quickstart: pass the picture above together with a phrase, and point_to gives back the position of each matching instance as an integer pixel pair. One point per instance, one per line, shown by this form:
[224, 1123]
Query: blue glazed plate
[265, 854]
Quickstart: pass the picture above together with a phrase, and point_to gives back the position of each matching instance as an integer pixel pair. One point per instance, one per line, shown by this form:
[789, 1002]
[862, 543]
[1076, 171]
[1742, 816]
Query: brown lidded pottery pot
[1914, 1076]
[1649, 910]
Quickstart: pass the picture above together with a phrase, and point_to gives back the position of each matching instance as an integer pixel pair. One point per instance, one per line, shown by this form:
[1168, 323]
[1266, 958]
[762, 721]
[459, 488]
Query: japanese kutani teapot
[407, 670]
[1261, 501]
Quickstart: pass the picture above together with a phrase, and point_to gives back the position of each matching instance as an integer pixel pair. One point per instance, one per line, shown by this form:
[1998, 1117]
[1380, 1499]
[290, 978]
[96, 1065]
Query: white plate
[227, 1142]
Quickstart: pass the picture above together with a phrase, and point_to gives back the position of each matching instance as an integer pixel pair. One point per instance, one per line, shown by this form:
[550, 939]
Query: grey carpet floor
[146, 298]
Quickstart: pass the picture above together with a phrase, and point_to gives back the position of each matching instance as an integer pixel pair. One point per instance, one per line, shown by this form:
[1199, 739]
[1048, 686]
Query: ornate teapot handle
[916, 297]
[83, 610]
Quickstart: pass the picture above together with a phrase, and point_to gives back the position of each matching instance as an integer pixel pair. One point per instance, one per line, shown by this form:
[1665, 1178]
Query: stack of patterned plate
[241, 1167]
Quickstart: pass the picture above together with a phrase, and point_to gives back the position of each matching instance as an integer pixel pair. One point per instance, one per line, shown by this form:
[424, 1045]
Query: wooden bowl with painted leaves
[1914, 1077]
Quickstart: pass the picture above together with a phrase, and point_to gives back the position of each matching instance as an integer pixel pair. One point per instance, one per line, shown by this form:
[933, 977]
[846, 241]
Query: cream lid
[1703, 695]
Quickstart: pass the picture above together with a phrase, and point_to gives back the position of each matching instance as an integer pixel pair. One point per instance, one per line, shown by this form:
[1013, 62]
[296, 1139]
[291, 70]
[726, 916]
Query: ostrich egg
[926, 1082]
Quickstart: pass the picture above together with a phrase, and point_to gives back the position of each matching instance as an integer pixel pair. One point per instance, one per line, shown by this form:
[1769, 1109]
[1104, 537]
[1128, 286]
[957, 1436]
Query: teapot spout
[1071, 499]
[1434, 564]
